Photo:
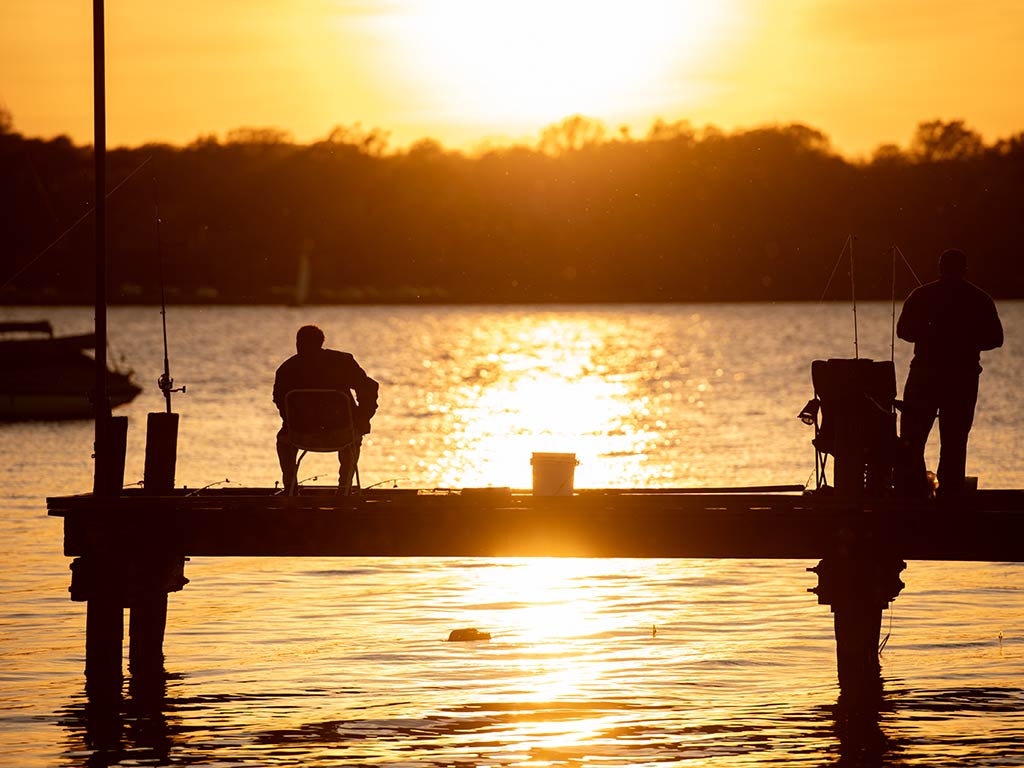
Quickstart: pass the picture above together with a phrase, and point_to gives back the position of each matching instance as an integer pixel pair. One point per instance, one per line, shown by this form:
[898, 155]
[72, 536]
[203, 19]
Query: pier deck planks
[642, 523]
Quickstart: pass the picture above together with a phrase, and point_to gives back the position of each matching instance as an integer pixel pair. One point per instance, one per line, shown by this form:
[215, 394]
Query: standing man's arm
[990, 329]
[912, 325]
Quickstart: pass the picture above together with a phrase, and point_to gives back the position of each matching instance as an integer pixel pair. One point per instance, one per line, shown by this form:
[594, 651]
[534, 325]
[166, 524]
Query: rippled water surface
[591, 662]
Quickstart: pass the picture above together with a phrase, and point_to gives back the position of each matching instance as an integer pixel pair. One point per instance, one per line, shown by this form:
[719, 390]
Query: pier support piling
[146, 624]
[858, 587]
[140, 582]
[104, 636]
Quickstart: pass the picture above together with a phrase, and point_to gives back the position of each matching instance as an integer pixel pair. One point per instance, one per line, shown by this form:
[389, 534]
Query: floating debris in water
[463, 635]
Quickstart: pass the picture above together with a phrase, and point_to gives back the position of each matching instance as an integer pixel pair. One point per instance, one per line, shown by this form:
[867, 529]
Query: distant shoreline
[465, 303]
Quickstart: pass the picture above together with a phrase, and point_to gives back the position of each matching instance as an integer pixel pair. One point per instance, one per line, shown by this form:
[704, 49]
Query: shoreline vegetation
[586, 215]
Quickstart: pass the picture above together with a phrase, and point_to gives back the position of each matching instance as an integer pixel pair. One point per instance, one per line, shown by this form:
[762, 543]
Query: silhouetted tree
[266, 136]
[888, 153]
[681, 215]
[936, 140]
[372, 141]
[572, 134]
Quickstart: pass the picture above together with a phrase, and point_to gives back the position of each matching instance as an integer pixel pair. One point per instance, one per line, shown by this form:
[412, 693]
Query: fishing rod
[853, 296]
[847, 245]
[165, 382]
[896, 250]
[892, 347]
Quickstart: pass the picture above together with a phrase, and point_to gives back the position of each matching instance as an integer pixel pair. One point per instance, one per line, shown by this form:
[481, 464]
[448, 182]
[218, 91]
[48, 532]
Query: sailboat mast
[102, 401]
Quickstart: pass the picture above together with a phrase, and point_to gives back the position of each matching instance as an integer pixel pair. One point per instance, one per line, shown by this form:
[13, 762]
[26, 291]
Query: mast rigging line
[73, 226]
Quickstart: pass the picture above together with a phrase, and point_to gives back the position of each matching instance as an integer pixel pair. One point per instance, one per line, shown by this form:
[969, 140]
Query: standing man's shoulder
[926, 290]
[979, 299]
[988, 326]
[922, 297]
[980, 293]
[915, 315]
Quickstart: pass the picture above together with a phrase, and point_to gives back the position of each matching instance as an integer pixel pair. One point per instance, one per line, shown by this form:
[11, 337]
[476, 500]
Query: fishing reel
[166, 385]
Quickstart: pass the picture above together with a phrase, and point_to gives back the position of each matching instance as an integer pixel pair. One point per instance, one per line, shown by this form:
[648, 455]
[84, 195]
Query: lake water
[344, 661]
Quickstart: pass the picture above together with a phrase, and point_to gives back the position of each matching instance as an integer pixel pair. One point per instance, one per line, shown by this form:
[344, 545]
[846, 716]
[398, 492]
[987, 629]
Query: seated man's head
[308, 339]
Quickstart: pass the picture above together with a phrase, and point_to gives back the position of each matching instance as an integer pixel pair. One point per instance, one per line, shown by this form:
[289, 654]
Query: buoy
[462, 635]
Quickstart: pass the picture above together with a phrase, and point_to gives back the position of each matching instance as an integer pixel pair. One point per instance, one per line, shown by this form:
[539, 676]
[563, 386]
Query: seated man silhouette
[950, 322]
[313, 367]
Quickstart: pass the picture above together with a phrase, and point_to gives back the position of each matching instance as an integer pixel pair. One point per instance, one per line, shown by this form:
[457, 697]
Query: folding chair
[858, 423]
[321, 420]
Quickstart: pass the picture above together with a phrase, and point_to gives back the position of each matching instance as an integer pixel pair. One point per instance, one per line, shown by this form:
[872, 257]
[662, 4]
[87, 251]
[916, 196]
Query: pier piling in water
[104, 638]
[112, 574]
[147, 623]
[858, 586]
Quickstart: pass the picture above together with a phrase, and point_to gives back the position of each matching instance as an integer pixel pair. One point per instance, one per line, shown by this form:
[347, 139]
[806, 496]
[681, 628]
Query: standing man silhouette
[313, 367]
[950, 322]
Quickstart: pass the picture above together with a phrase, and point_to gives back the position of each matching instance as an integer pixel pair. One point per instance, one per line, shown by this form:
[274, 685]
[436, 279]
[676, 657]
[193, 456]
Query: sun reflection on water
[545, 386]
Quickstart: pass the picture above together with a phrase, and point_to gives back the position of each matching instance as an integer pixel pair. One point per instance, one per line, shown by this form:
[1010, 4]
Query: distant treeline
[585, 215]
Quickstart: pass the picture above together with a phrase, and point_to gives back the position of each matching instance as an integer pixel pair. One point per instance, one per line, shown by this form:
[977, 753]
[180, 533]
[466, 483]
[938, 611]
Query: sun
[517, 62]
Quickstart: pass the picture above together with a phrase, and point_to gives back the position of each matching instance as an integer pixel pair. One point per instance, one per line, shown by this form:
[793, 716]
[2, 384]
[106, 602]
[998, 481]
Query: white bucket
[553, 473]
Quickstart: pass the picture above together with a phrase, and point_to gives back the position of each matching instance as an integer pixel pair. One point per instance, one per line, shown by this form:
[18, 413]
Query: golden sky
[465, 71]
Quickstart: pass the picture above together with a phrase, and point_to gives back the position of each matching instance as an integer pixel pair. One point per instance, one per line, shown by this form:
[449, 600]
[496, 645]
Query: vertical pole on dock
[104, 624]
[101, 402]
[109, 478]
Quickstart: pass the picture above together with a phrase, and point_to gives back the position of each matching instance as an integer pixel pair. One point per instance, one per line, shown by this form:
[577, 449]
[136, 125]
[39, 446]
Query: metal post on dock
[104, 632]
[109, 578]
[101, 400]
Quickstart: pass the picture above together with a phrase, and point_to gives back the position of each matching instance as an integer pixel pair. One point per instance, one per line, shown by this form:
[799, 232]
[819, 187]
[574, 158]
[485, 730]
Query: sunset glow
[467, 71]
[523, 62]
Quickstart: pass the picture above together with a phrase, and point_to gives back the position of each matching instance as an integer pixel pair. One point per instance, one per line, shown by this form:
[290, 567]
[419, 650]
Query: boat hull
[46, 377]
[54, 406]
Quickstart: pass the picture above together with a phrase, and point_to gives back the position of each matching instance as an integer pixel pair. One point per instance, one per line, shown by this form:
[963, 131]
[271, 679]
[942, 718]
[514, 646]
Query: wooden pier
[131, 549]
[498, 522]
